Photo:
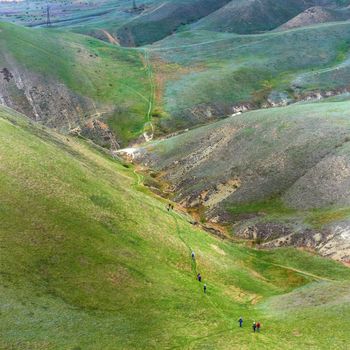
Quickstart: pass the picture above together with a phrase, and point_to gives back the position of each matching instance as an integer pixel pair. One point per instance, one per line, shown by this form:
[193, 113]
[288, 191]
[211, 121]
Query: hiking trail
[149, 124]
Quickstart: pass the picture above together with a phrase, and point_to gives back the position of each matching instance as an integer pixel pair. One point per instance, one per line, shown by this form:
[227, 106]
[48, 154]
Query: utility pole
[48, 20]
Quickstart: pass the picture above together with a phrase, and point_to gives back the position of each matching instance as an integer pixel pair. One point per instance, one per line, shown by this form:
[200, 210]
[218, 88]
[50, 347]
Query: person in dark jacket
[199, 277]
[254, 326]
[240, 322]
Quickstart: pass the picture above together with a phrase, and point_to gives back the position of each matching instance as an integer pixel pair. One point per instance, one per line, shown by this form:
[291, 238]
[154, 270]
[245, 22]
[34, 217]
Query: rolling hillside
[204, 76]
[164, 19]
[254, 16]
[98, 262]
[66, 80]
[272, 174]
[236, 113]
[69, 13]
[315, 15]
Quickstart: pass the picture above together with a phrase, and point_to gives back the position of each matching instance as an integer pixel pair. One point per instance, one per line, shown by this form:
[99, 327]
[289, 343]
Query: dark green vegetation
[91, 260]
[99, 80]
[164, 19]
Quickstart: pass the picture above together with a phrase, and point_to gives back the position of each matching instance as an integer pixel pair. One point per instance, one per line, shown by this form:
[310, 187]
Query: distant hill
[153, 20]
[316, 15]
[254, 16]
[162, 20]
[220, 74]
[91, 260]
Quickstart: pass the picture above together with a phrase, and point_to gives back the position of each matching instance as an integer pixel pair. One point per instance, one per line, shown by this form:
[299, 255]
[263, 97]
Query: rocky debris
[325, 184]
[332, 241]
[213, 195]
[99, 132]
[262, 231]
[205, 113]
[338, 244]
[44, 100]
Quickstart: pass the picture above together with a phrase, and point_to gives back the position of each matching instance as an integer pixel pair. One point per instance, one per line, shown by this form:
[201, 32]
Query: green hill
[254, 16]
[69, 13]
[279, 175]
[164, 19]
[66, 80]
[91, 260]
[209, 75]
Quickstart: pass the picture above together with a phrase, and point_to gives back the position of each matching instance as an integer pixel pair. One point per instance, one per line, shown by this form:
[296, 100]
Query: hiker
[258, 326]
[172, 206]
[168, 207]
[240, 322]
[205, 288]
[193, 255]
[199, 277]
[254, 326]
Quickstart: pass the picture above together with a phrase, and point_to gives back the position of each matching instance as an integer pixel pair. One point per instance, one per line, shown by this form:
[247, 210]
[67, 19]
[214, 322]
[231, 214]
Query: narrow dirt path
[110, 37]
[304, 273]
[149, 124]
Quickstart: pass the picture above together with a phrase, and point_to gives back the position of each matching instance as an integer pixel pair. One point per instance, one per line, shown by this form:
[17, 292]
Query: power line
[48, 20]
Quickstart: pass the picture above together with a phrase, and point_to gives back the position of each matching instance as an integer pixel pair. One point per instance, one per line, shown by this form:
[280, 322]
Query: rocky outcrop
[53, 104]
[332, 241]
[279, 176]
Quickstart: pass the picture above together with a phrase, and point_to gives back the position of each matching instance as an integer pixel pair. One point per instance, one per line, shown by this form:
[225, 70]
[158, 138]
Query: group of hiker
[170, 206]
[256, 325]
[199, 276]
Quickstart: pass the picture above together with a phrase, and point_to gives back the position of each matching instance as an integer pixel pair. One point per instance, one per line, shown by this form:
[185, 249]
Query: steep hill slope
[65, 80]
[279, 175]
[254, 16]
[98, 18]
[204, 76]
[164, 19]
[316, 15]
[98, 263]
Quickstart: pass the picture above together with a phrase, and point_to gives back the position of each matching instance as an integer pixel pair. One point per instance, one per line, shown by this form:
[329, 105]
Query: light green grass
[91, 261]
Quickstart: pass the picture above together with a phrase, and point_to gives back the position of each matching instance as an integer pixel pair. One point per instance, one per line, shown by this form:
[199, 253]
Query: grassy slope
[91, 261]
[222, 70]
[269, 150]
[107, 74]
